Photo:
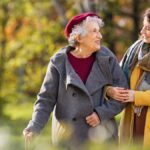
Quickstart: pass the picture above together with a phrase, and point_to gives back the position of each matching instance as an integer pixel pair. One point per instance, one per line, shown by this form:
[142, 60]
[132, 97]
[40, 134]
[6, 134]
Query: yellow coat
[142, 98]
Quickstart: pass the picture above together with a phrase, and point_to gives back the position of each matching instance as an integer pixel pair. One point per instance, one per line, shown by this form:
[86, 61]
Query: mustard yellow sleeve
[142, 98]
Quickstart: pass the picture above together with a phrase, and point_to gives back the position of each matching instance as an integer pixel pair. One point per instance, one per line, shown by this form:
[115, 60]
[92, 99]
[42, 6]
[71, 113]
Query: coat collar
[73, 78]
[96, 79]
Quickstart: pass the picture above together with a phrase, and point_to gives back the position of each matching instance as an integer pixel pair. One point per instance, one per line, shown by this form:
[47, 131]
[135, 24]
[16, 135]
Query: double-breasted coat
[73, 100]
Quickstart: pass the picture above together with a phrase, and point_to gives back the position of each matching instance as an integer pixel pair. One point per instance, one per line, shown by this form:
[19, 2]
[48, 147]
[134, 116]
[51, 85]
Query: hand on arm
[120, 94]
[117, 93]
[130, 97]
[93, 120]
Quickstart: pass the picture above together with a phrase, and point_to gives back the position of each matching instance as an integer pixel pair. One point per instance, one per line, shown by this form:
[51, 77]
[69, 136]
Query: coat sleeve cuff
[34, 127]
[105, 92]
[100, 114]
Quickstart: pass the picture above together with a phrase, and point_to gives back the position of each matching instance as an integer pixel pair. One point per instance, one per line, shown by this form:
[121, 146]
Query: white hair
[80, 29]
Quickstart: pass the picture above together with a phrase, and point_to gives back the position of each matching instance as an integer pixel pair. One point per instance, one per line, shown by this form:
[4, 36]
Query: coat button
[74, 94]
[92, 94]
[74, 119]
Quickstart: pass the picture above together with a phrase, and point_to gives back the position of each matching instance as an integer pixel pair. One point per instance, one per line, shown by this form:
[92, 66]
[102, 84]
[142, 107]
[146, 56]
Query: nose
[99, 35]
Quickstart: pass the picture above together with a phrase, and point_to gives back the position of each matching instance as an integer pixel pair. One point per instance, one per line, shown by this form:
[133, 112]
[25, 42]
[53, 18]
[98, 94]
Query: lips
[97, 42]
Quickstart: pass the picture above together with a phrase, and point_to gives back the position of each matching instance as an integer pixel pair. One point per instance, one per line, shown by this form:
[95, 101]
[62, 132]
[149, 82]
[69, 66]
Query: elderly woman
[73, 87]
[135, 123]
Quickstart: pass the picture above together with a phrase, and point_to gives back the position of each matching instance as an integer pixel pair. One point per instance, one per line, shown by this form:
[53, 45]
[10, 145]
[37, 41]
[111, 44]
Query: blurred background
[31, 31]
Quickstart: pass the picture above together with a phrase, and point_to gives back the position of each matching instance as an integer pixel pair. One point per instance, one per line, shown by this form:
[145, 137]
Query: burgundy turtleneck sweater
[82, 66]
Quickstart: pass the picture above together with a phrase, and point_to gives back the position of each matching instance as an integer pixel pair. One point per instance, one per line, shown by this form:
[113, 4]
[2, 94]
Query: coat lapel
[73, 78]
[97, 77]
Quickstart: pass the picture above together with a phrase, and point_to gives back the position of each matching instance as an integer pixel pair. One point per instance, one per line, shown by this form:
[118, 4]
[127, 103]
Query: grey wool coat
[72, 101]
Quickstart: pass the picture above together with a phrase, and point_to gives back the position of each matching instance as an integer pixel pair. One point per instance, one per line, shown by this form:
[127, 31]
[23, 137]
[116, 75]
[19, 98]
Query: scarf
[139, 53]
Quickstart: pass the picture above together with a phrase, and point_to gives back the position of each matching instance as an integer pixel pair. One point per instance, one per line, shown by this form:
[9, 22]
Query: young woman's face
[145, 31]
[92, 38]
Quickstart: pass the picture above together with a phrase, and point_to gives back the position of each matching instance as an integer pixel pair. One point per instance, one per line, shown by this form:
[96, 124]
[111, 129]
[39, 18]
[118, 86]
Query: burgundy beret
[76, 20]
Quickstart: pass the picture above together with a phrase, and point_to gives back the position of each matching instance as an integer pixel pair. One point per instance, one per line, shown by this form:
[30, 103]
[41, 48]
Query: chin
[98, 47]
[146, 41]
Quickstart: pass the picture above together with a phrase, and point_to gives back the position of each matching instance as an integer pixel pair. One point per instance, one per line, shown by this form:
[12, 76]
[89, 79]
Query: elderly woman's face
[91, 40]
[145, 32]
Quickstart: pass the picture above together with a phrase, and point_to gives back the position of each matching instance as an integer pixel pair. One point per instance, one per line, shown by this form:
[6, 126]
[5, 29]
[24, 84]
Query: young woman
[135, 123]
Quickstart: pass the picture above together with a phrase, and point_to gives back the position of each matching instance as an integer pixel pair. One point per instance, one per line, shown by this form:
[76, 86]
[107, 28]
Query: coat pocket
[60, 131]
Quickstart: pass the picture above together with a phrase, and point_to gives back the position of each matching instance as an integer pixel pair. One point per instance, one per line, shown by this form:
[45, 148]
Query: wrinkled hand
[93, 120]
[28, 135]
[130, 96]
[117, 93]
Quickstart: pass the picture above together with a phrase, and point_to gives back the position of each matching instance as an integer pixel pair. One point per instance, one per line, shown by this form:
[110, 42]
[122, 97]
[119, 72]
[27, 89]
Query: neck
[80, 53]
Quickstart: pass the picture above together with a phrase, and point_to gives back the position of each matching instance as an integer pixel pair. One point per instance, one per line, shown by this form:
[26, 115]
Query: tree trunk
[60, 10]
[136, 19]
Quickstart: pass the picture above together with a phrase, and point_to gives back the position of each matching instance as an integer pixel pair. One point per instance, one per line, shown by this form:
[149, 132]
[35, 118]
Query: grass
[12, 125]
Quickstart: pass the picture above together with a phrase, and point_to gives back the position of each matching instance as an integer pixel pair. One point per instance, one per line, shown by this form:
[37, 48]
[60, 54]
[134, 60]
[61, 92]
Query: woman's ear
[78, 38]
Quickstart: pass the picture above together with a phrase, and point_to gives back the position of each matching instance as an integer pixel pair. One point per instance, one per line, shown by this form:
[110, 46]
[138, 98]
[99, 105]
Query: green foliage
[31, 31]
[28, 42]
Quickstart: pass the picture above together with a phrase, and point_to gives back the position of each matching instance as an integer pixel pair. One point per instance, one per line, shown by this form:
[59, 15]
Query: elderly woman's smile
[88, 41]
